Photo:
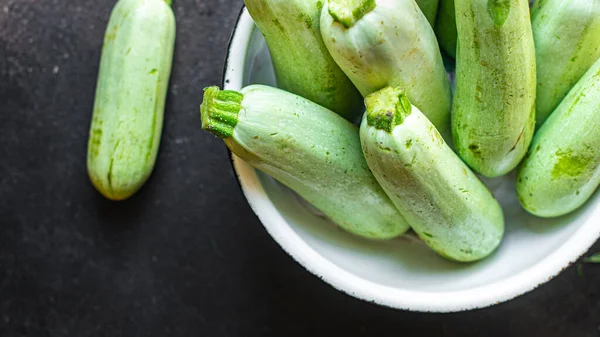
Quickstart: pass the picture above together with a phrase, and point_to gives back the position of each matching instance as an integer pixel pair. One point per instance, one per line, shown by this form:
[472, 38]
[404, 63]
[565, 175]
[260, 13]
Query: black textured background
[185, 256]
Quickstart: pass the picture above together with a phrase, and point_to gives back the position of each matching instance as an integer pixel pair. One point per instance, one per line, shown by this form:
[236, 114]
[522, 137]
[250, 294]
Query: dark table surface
[185, 256]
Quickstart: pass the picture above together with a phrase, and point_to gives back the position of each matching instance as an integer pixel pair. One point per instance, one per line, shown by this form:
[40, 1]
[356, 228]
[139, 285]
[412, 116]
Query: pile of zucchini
[526, 98]
[364, 112]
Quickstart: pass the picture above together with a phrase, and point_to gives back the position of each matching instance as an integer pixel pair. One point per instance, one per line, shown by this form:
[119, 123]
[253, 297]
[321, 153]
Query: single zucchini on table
[438, 195]
[130, 96]
[389, 42]
[308, 148]
[493, 116]
[300, 59]
[562, 170]
[567, 43]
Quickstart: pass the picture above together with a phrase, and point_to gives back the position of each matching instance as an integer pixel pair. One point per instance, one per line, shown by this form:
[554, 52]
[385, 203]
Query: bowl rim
[421, 301]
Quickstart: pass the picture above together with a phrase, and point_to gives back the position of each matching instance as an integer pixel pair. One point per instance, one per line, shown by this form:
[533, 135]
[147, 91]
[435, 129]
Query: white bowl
[403, 273]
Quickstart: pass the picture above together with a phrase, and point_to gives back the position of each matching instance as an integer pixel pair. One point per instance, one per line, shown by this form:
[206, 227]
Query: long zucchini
[130, 96]
[308, 148]
[493, 116]
[300, 59]
[562, 170]
[438, 195]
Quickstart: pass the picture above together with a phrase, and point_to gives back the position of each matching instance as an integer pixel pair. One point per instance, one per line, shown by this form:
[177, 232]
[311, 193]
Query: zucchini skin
[133, 80]
[445, 203]
[308, 148]
[301, 62]
[493, 117]
[562, 170]
[567, 43]
[429, 9]
[391, 44]
[445, 27]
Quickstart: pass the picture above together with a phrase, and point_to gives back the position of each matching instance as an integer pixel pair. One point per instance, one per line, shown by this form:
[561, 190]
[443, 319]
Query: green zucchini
[130, 96]
[301, 62]
[429, 9]
[445, 27]
[389, 42]
[562, 170]
[493, 116]
[567, 43]
[438, 195]
[309, 149]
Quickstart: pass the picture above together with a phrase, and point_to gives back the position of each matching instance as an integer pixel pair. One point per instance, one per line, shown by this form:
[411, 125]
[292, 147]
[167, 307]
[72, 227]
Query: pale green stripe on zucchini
[438, 195]
[562, 170]
[300, 59]
[493, 116]
[389, 42]
[567, 43]
[130, 96]
[309, 149]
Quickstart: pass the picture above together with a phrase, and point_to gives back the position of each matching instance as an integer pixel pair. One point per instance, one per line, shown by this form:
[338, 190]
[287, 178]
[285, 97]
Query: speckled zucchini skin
[440, 197]
[308, 148]
[130, 96]
[493, 115]
[562, 169]
[301, 62]
[567, 43]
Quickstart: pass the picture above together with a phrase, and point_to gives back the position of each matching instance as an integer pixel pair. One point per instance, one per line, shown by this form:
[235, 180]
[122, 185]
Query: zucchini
[493, 116]
[438, 195]
[309, 149]
[130, 97]
[429, 9]
[445, 27]
[301, 62]
[562, 170]
[567, 43]
[389, 42]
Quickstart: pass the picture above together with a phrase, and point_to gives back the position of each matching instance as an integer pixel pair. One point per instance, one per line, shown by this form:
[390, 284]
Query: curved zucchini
[567, 43]
[493, 117]
[429, 9]
[562, 170]
[443, 201]
[445, 27]
[301, 62]
[130, 96]
[389, 42]
[308, 148]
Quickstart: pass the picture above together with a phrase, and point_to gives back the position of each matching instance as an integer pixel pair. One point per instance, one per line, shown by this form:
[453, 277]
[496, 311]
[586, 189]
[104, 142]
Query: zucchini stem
[387, 108]
[219, 111]
[348, 12]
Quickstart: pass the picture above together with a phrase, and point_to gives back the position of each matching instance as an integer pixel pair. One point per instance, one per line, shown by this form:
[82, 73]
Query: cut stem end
[348, 12]
[219, 111]
[387, 108]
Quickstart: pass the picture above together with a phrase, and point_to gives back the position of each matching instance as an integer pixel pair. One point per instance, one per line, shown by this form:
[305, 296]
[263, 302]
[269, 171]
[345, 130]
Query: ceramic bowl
[403, 273]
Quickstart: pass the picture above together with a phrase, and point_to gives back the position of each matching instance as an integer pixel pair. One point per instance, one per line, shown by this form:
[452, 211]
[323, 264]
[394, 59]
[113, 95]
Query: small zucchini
[389, 42]
[429, 9]
[309, 149]
[301, 62]
[438, 195]
[562, 169]
[445, 27]
[567, 43]
[130, 96]
[493, 116]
